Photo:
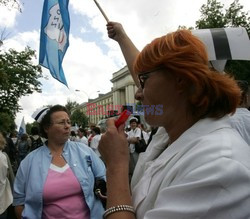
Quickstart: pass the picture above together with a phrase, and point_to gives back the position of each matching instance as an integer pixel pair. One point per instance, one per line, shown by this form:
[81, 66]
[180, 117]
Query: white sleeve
[84, 140]
[94, 143]
[145, 136]
[138, 133]
[3, 173]
[205, 192]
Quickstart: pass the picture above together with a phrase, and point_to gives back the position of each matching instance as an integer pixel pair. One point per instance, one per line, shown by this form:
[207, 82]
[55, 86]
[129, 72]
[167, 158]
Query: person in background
[13, 136]
[144, 133]
[133, 137]
[240, 120]
[73, 136]
[90, 134]
[6, 197]
[11, 150]
[96, 132]
[57, 179]
[36, 140]
[23, 147]
[82, 136]
[198, 168]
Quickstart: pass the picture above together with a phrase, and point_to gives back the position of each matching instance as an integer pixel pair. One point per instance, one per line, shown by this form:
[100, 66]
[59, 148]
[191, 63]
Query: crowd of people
[51, 148]
[196, 163]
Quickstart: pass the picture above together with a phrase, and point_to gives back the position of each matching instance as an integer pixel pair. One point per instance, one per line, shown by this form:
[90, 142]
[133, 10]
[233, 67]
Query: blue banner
[54, 38]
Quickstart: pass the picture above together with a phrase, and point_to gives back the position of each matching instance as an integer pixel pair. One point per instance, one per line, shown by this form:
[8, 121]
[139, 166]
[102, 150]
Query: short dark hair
[133, 120]
[46, 120]
[72, 133]
[82, 130]
[34, 130]
[97, 130]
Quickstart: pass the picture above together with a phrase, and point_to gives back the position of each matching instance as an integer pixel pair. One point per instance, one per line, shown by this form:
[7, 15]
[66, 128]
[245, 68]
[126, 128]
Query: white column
[130, 93]
[116, 97]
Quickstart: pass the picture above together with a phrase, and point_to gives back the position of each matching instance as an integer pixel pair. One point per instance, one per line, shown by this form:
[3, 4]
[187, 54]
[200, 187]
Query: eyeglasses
[142, 77]
[62, 123]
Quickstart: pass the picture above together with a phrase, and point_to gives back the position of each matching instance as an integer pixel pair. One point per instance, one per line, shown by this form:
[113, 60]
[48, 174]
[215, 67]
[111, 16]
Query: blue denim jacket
[33, 171]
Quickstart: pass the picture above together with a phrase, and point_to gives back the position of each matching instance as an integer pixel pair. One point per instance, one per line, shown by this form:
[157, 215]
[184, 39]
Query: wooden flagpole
[103, 13]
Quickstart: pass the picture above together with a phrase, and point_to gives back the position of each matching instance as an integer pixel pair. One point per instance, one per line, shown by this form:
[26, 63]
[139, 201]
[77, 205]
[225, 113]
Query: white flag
[22, 128]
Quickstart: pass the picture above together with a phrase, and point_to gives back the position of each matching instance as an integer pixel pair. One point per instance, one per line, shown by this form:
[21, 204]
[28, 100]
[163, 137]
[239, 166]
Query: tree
[71, 106]
[30, 125]
[213, 15]
[18, 77]
[79, 118]
[10, 4]
[7, 123]
[236, 17]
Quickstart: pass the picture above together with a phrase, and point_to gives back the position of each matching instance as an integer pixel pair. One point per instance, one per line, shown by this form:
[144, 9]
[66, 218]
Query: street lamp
[88, 95]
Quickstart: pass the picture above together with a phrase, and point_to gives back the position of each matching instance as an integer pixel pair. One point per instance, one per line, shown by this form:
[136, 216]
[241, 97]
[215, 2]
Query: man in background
[133, 137]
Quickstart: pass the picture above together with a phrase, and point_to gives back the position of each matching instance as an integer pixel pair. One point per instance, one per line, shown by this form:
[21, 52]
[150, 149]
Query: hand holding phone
[123, 118]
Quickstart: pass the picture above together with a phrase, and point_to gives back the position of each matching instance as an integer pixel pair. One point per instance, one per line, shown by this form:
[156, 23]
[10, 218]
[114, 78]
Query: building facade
[105, 105]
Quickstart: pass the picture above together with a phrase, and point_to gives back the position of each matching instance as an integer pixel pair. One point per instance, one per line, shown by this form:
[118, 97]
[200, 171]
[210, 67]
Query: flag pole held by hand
[103, 13]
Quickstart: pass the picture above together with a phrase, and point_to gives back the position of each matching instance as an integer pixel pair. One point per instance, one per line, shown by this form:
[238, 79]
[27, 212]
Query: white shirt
[6, 197]
[131, 134]
[145, 136]
[83, 140]
[95, 143]
[241, 122]
[204, 174]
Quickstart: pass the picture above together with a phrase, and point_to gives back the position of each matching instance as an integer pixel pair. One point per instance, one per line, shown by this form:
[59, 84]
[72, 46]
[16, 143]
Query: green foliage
[79, 118]
[30, 125]
[239, 69]
[18, 77]
[28, 128]
[236, 17]
[76, 115]
[7, 123]
[213, 15]
[183, 27]
[71, 105]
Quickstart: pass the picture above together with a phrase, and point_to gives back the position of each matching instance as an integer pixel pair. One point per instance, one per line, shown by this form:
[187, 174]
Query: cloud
[86, 68]
[7, 16]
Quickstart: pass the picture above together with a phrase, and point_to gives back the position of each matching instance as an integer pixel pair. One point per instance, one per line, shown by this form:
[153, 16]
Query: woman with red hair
[196, 165]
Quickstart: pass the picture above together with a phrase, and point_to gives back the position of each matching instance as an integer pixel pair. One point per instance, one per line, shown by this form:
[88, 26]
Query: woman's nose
[139, 94]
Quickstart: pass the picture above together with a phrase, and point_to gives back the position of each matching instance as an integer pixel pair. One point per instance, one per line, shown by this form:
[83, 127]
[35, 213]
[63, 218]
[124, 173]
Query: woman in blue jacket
[57, 179]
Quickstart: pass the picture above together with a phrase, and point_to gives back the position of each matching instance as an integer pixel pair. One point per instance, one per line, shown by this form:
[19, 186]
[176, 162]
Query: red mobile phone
[123, 118]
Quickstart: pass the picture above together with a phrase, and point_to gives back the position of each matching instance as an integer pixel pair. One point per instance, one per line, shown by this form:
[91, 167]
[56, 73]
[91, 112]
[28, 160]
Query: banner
[54, 37]
[224, 44]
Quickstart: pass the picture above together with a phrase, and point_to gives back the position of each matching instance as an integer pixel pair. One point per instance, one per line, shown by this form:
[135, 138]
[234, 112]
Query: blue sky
[92, 57]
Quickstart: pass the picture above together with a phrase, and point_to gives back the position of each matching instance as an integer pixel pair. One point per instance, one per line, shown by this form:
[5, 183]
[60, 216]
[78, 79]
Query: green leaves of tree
[76, 115]
[18, 77]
